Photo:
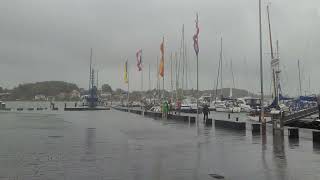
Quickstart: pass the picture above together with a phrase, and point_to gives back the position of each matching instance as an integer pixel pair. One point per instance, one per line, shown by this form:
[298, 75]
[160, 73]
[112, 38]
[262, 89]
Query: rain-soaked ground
[118, 145]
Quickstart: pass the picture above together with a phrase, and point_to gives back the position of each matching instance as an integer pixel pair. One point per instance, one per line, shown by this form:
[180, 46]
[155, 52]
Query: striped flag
[195, 38]
[161, 70]
[125, 78]
[139, 59]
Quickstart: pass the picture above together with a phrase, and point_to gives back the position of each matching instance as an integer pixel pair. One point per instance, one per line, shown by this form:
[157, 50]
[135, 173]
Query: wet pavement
[119, 145]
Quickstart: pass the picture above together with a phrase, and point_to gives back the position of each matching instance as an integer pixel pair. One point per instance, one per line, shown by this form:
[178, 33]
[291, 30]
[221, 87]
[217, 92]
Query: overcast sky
[51, 40]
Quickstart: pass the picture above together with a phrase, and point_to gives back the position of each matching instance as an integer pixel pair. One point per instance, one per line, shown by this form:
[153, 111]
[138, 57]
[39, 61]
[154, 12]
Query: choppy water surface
[118, 145]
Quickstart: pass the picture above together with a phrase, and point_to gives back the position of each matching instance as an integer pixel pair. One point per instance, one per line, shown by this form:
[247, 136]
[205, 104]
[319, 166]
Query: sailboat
[275, 67]
[224, 104]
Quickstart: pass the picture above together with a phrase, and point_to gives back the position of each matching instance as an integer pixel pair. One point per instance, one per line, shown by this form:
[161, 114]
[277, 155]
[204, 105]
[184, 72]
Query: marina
[196, 90]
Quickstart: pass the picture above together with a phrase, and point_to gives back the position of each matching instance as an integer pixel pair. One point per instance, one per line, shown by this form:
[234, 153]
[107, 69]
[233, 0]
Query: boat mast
[183, 58]
[300, 87]
[234, 86]
[176, 71]
[272, 58]
[149, 88]
[247, 74]
[309, 86]
[90, 70]
[221, 68]
[97, 79]
[171, 81]
[270, 36]
[217, 82]
[261, 67]
[141, 75]
[186, 66]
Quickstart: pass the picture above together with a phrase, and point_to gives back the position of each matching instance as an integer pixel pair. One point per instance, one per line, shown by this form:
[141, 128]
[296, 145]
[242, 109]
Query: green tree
[1, 89]
[106, 88]
[47, 88]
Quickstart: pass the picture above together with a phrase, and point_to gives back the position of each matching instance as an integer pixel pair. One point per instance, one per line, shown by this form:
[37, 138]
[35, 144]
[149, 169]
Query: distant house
[75, 94]
[40, 97]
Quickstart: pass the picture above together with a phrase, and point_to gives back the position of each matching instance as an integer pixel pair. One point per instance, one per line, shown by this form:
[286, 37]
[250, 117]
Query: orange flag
[161, 70]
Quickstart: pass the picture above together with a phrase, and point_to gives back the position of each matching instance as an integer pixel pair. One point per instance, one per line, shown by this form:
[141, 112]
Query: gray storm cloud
[51, 40]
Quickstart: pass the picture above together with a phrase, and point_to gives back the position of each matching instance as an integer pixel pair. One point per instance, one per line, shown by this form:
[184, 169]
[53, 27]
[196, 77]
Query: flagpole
[163, 87]
[128, 87]
[197, 90]
[163, 84]
[196, 49]
[158, 79]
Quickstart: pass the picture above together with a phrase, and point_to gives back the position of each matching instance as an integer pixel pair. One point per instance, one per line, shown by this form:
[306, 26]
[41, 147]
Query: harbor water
[118, 145]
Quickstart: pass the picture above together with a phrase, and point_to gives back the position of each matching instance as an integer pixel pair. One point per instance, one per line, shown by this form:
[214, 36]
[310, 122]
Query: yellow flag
[126, 73]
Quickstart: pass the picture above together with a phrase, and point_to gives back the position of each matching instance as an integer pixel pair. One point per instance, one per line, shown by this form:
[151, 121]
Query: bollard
[237, 119]
[316, 136]
[229, 116]
[209, 122]
[255, 128]
[293, 132]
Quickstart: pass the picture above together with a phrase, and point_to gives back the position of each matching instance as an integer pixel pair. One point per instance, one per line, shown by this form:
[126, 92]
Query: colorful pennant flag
[161, 70]
[195, 38]
[139, 59]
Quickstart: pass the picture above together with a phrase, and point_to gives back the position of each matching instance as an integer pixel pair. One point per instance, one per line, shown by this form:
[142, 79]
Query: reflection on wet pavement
[118, 145]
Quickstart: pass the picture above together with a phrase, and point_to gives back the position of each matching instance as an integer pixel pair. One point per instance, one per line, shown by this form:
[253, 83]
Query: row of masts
[179, 68]
[179, 71]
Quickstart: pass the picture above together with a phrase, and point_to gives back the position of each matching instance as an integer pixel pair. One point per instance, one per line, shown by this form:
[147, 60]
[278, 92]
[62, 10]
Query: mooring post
[277, 120]
[316, 136]
[293, 133]
[255, 128]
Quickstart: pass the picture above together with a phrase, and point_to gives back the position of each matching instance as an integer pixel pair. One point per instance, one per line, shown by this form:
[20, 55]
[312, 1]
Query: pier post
[293, 133]
[316, 136]
[277, 121]
[255, 128]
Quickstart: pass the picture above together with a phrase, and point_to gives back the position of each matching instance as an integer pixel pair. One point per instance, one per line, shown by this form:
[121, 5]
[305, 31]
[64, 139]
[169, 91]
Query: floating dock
[152, 114]
[86, 109]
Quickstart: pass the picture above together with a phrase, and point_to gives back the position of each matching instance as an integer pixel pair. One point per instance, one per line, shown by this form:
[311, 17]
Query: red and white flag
[196, 38]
